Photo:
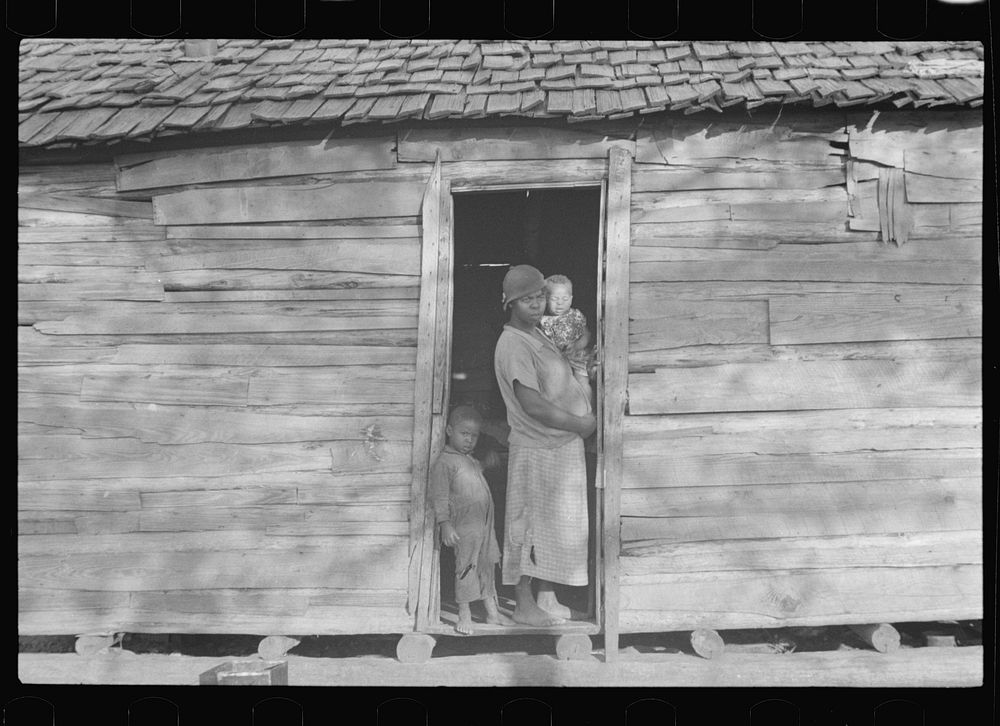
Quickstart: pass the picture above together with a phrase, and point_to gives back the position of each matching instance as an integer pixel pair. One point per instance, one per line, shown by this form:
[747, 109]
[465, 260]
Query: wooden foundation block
[93, 644]
[415, 648]
[573, 646]
[882, 637]
[246, 673]
[274, 647]
[939, 639]
[707, 643]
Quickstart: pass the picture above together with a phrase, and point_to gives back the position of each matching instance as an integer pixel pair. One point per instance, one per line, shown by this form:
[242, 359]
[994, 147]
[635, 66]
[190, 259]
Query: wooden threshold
[448, 620]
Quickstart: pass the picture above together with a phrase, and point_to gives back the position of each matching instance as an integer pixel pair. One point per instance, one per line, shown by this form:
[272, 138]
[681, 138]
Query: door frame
[433, 379]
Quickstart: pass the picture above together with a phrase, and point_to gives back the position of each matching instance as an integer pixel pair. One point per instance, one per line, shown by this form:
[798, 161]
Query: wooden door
[432, 389]
[613, 338]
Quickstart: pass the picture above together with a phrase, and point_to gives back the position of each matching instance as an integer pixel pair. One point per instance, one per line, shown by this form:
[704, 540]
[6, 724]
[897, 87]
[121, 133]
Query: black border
[701, 19]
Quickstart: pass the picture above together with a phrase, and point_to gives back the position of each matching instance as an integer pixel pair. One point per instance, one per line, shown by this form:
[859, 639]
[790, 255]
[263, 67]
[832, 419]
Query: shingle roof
[99, 91]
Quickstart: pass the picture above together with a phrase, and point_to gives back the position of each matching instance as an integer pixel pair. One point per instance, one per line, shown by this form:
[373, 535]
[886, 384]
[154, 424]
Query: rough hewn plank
[679, 324]
[204, 570]
[290, 231]
[317, 620]
[806, 232]
[165, 321]
[393, 257]
[210, 390]
[921, 549]
[190, 425]
[112, 458]
[106, 206]
[732, 469]
[933, 189]
[950, 164]
[784, 385]
[210, 541]
[345, 384]
[789, 432]
[362, 293]
[263, 355]
[808, 597]
[101, 255]
[254, 162]
[288, 203]
[645, 179]
[90, 233]
[687, 143]
[930, 313]
[98, 289]
[192, 280]
[30, 496]
[708, 513]
[505, 143]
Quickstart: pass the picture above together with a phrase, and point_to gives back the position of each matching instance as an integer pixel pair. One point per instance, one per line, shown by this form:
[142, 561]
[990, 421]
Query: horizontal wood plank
[264, 355]
[47, 458]
[957, 164]
[106, 206]
[288, 203]
[505, 143]
[804, 385]
[151, 543]
[254, 162]
[124, 289]
[291, 231]
[208, 570]
[164, 321]
[934, 189]
[721, 600]
[347, 384]
[708, 513]
[738, 469]
[91, 233]
[198, 280]
[786, 432]
[805, 232]
[920, 549]
[945, 313]
[687, 143]
[680, 324]
[212, 390]
[645, 179]
[393, 257]
[316, 620]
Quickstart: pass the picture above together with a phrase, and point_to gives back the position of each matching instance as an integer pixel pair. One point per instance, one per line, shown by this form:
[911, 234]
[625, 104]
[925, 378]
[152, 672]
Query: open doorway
[557, 230]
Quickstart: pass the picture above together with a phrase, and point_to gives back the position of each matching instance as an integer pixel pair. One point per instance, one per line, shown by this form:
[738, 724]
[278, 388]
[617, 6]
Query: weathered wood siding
[216, 355]
[803, 439]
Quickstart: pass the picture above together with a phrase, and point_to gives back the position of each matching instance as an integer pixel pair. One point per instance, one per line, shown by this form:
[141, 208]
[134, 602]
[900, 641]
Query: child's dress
[459, 493]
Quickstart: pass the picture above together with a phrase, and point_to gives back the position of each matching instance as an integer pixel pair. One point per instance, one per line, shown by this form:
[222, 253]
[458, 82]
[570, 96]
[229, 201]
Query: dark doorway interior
[557, 231]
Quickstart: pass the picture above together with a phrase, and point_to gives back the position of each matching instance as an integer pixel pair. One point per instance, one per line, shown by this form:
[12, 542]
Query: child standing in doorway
[463, 509]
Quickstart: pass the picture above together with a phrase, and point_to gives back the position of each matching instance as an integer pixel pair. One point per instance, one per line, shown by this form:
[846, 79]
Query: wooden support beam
[615, 371]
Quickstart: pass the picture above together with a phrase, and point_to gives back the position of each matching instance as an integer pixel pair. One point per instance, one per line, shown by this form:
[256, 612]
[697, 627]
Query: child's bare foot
[464, 624]
[531, 614]
[547, 601]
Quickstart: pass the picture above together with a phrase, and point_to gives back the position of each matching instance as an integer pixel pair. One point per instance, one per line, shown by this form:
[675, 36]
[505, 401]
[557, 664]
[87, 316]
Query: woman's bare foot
[530, 614]
[464, 624]
[547, 601]
[493, 614]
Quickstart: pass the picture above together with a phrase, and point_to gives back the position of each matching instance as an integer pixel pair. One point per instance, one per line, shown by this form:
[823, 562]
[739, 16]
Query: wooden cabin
[254, 275]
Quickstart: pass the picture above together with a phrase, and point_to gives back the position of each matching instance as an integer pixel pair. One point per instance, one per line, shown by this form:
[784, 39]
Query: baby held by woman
[566, 326]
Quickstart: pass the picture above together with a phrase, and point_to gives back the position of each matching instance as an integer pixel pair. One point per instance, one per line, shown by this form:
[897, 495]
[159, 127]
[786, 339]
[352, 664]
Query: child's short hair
[558, 280]
[464, 413]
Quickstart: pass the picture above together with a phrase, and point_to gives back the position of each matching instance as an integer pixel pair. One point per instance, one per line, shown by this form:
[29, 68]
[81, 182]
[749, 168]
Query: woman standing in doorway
[548, 410]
